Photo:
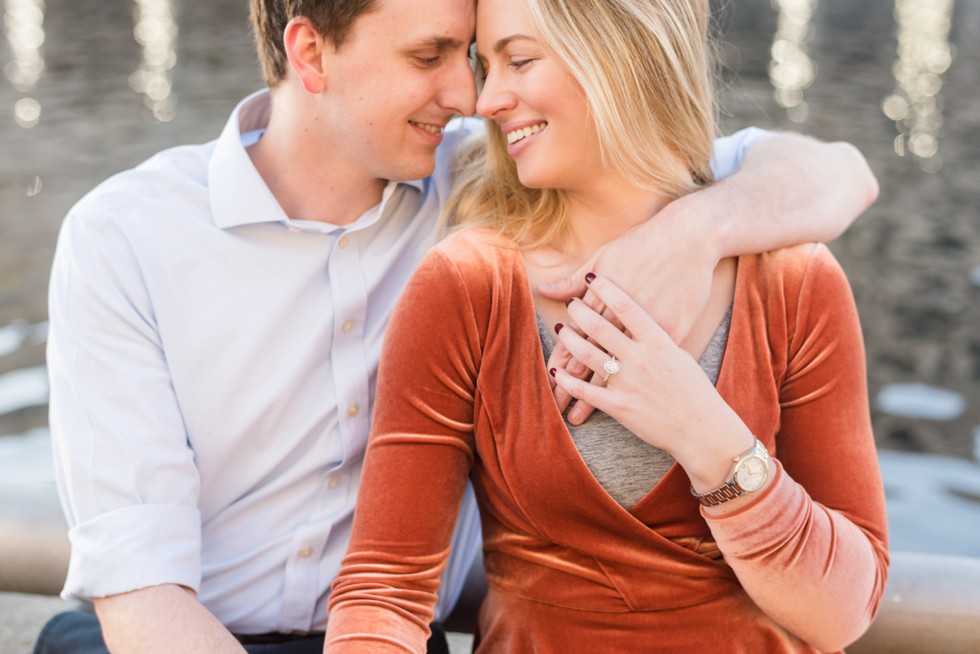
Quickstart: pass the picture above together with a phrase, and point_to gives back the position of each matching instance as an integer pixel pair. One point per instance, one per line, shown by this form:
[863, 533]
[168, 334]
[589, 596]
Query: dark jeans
[78, 632]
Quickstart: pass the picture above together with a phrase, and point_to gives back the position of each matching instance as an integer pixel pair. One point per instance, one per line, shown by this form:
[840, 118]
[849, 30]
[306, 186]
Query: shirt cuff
[729, 150]
[134, 547]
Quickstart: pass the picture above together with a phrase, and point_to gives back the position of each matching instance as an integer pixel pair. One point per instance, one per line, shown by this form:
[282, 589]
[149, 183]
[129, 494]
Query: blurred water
[92, 87]
[898, 79]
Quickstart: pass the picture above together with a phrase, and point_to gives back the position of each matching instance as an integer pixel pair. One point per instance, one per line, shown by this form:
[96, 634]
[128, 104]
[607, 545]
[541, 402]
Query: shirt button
[348, 327]
[353, 409]
[306, 552]
[333, 482]
[343, 243]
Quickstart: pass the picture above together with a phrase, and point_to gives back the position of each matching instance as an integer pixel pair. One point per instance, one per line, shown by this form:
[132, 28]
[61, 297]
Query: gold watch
[749, 473]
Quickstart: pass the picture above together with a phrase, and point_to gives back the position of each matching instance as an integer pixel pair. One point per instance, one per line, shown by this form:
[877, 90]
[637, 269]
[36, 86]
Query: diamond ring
[611, 367]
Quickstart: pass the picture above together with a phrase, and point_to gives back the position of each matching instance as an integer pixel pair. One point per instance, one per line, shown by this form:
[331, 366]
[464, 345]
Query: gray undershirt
[625, 466]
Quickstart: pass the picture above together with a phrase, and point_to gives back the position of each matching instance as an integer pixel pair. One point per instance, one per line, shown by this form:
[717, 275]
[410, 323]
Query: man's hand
[788, 189]
[671, 280]
[166, 618]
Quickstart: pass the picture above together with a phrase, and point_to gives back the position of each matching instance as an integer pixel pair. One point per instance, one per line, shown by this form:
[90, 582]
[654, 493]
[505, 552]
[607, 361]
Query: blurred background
[91, 87]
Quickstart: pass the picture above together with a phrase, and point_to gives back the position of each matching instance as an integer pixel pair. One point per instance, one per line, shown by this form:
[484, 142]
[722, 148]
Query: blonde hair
[645, 70]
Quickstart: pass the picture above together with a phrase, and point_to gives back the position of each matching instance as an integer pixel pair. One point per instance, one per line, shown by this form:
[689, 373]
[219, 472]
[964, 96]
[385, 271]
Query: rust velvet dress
[463, 392]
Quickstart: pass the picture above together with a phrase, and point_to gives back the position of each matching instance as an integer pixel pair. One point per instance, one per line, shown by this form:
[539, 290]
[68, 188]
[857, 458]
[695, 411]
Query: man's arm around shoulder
[788, 189]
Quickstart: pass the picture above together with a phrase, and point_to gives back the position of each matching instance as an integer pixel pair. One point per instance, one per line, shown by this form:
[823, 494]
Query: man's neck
[305, 179]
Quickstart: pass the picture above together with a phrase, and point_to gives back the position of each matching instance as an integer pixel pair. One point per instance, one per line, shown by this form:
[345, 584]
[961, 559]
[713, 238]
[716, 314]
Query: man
[217, 314]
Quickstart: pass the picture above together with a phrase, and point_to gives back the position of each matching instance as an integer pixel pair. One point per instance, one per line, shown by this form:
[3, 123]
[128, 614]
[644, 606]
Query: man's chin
[416, 171]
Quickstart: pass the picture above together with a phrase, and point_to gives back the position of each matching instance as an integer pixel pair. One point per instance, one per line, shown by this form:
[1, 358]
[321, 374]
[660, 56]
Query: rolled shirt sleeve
[729, 150]
[126, 474]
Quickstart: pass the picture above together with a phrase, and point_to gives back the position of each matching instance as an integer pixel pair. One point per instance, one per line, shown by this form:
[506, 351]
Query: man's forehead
[422, 20]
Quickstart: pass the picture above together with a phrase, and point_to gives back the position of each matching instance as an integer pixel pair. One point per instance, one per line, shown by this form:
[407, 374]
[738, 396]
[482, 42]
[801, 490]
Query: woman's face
[533, 98]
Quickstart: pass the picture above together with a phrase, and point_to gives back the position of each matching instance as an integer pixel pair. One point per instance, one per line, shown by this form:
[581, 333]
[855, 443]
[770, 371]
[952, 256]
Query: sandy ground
[22, 616]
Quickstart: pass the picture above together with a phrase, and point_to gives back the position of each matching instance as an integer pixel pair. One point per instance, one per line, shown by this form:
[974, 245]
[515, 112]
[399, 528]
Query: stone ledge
[22, 616]
[33, 540]
[931, 604]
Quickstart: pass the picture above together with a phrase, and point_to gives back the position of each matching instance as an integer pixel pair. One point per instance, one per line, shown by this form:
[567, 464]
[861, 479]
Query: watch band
[720, 495]
[731, 489]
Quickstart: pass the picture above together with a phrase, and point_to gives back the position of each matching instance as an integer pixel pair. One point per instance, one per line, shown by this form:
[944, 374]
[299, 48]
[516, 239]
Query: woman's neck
[602, 214]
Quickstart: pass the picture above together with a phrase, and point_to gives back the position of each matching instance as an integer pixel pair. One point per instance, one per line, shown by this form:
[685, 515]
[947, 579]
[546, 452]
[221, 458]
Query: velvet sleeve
[812, 550]
[416, 465]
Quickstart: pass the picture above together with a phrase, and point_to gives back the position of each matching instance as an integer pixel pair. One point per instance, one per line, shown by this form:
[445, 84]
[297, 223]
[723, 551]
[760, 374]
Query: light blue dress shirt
[212, 367]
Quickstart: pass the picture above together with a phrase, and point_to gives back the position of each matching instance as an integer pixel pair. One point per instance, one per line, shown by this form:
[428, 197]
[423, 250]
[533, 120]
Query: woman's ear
[305, 49]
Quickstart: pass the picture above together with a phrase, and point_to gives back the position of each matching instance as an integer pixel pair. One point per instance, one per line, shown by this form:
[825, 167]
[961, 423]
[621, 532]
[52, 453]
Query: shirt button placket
[351, 377]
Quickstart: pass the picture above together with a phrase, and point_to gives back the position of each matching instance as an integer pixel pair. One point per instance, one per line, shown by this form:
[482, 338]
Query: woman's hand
[688, 262]
[657, 390]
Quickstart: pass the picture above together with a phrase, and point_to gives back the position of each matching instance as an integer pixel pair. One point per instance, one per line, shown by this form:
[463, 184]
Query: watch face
[751, 473]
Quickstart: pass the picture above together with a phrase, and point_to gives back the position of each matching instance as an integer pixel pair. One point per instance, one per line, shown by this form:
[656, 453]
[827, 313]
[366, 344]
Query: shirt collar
[239, 195]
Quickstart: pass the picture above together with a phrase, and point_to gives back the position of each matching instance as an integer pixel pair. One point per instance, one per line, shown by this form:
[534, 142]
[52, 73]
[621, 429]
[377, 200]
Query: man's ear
[305, 51]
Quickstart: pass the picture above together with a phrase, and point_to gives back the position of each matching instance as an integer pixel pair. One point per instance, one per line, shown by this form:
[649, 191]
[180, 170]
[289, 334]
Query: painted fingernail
[558, 327]
[589, 278]
[552, 372]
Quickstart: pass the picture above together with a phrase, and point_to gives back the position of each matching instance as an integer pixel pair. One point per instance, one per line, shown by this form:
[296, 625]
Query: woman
[729, 500]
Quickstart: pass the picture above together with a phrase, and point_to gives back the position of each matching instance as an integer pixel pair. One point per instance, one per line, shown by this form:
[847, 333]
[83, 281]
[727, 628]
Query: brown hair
[333, 19]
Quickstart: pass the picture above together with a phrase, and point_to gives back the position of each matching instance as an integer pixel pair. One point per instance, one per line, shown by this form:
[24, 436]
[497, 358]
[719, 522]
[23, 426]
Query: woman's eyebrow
[504, 42]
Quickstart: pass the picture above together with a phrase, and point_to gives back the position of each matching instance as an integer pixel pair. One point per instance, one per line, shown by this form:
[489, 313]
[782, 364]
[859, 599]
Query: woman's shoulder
[800, 285]
[792, 267]
[476, 250]
[475, 240]
[473, 262]
[473, 276]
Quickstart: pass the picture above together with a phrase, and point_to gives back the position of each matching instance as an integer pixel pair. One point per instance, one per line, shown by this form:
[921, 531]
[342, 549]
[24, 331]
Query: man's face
[400, 76]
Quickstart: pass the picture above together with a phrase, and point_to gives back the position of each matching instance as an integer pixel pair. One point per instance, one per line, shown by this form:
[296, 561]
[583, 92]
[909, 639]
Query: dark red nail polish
[589, 278]
[558, 327]
[552, 372]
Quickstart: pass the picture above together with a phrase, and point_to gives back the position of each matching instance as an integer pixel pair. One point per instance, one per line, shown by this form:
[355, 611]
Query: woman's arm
[811, 547]
[812, 551]
[415, 469]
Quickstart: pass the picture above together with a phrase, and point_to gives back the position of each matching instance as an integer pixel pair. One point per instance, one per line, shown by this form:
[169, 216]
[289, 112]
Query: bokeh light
[791, 71]
[924, 54]
[156, 31]
[23, 22]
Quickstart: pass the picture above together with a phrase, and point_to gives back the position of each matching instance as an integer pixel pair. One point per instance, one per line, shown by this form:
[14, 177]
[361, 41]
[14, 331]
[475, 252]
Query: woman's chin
[531, 180]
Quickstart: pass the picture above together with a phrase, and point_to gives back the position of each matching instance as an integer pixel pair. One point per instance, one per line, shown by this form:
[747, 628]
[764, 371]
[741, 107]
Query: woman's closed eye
[518, 64]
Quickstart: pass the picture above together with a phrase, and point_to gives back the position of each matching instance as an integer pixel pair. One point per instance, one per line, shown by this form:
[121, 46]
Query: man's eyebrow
[437, 43]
